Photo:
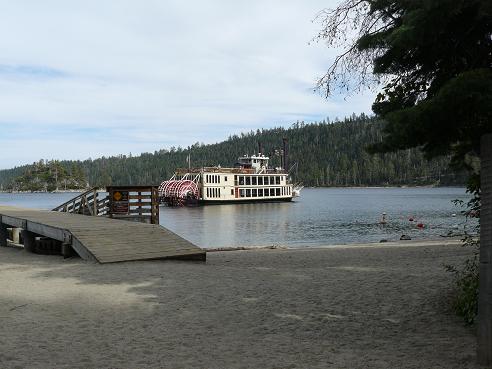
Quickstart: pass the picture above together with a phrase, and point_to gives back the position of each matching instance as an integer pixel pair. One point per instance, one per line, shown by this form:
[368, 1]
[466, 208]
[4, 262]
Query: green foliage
[328, 154]
[466, 277]
[465, 298]
[435, 63]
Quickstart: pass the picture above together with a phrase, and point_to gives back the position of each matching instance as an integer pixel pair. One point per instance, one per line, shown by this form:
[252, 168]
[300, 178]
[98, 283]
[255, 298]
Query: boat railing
[186, 171]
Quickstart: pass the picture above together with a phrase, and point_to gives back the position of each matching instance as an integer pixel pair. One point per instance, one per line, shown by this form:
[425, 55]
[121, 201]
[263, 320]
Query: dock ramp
[101, 239]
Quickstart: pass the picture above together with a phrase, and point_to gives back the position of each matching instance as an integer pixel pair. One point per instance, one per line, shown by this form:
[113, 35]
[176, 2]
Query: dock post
[3, 234]
[16, 235]
[66, 250]
[29, 240]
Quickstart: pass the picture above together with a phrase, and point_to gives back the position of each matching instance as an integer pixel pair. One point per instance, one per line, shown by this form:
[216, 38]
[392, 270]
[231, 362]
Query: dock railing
[135, 203]
[87, 203]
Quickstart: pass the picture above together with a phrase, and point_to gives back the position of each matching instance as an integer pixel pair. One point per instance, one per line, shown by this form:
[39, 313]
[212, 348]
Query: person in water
[383, 219]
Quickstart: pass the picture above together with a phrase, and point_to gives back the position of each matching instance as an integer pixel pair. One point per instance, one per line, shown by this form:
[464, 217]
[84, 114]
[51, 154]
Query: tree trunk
[484, 334]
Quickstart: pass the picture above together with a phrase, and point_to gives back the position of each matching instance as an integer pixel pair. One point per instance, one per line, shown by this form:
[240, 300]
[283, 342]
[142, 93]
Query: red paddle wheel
[179, 192]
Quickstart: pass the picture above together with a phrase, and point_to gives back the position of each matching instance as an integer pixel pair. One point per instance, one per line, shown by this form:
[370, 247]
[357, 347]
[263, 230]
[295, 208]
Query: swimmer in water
[383, 219]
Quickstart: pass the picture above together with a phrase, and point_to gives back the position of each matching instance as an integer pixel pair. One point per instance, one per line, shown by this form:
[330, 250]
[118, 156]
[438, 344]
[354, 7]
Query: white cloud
[190, 71]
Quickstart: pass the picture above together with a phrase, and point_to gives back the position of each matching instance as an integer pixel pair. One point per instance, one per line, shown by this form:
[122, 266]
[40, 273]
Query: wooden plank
[118, 249]
[13, 221]
[49, 231]
[146, 257]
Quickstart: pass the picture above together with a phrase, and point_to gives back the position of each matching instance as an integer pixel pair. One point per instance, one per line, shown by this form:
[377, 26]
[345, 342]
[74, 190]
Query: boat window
[260, 192]
[225, 179]
[248, 192]
[219, 192]
[208, 192]
[241, 180]
[277, 180]
[260, 181]
[254, 192]
[218, 180]
[242, 192]
[248, 181]
[253, 181]
[232, 192]
[277, 190]
[265, 181]
[272, 180]
[272, 191]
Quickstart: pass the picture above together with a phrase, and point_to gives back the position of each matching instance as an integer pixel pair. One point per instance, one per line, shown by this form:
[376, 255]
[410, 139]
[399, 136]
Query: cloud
[139, 76]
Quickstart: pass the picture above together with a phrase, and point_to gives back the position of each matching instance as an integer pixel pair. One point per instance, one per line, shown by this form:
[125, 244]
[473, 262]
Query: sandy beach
[382, 306]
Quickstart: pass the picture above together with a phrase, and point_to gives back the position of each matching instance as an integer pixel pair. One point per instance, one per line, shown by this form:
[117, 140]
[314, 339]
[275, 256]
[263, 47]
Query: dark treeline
[327, 154]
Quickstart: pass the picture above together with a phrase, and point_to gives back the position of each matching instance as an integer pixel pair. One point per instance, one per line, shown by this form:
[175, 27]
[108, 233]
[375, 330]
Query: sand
[346, 307]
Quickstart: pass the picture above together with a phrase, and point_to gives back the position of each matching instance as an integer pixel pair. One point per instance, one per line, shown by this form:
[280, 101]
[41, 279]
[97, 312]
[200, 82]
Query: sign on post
[136, 203]
[120, 203]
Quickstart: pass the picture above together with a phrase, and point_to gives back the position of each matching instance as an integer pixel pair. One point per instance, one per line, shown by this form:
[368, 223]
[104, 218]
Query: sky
[83, 79]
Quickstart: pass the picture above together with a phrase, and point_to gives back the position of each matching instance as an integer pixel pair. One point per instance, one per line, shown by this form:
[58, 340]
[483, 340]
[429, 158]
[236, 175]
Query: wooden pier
[99, 239]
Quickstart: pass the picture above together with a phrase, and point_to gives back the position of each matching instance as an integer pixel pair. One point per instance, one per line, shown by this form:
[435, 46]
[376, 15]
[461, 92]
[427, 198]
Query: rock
[404, 237]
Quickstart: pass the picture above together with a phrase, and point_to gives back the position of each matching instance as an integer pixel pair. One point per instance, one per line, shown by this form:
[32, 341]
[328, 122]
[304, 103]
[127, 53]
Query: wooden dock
[98, 239]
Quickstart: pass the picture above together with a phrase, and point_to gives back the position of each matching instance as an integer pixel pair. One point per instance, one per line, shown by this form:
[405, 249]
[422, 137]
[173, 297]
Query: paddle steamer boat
[251, 180]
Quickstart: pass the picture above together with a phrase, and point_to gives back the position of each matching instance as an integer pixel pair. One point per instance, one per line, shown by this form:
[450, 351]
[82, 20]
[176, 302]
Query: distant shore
[307, 187]
[57, 191]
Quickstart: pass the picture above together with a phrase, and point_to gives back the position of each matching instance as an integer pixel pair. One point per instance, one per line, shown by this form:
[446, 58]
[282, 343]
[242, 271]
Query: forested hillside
[328, 154]
[49, 176]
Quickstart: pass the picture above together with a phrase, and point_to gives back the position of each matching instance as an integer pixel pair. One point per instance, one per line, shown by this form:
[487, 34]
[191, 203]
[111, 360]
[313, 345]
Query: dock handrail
[86, 203]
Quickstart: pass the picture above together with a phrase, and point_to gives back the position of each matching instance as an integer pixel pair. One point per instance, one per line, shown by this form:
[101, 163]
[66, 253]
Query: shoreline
[445, 241]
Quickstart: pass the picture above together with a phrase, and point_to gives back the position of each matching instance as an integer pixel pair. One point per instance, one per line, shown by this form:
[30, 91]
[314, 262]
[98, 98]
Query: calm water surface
[322, 216]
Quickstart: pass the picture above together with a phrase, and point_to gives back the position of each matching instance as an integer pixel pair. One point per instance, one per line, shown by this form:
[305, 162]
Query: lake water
[321, 216]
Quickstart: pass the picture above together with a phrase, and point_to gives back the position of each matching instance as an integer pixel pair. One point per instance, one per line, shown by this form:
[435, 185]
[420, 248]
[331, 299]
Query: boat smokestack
[259, 148]
[286, 154]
